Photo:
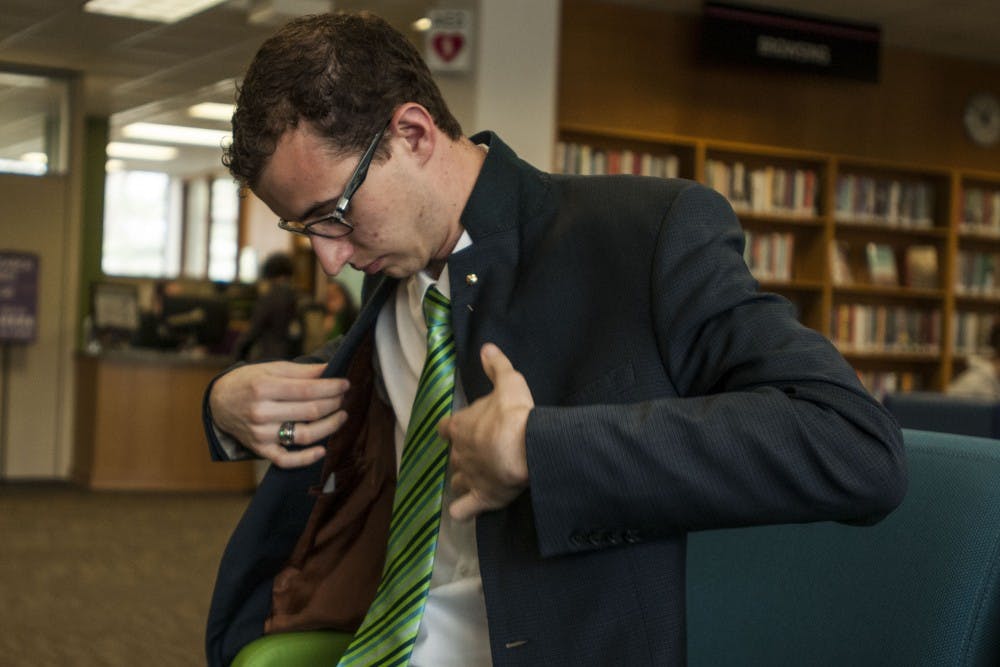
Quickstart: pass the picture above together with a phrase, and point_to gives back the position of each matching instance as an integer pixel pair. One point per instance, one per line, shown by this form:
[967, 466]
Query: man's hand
[489, 463]
[251, 402]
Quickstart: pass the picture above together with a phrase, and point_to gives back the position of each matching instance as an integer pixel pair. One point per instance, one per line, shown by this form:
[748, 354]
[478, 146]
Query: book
[881, 265]
[921, 262]
[840, 267]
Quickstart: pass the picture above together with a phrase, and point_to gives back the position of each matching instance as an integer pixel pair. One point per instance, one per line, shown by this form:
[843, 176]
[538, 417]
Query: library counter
[138, 416]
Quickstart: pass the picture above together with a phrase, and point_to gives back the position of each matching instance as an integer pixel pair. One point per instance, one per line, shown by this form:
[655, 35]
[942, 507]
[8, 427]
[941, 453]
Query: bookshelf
[896, 263]
[976, 285]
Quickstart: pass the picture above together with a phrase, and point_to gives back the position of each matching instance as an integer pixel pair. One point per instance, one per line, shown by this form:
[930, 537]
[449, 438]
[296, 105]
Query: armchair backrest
[920, 588]
[931, 411]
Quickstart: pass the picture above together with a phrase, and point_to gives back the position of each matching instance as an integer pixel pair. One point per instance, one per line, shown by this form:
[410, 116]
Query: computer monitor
[114, 309]
[203, 320]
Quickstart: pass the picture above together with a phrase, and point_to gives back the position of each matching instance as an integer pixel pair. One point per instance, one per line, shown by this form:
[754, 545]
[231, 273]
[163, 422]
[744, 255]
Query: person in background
[153, 332]
[981, 378]
[601, 375]
[340, 309]
[274, 331]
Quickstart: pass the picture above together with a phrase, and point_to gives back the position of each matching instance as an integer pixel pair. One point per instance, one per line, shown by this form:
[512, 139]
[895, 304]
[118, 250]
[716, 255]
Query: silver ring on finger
[286, 434]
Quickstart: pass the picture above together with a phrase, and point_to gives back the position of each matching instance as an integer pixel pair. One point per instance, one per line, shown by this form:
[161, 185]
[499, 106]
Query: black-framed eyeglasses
[334, 225]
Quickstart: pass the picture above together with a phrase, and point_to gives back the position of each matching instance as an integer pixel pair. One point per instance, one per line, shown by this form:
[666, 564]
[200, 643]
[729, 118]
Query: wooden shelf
[927, 208]
[880, 291]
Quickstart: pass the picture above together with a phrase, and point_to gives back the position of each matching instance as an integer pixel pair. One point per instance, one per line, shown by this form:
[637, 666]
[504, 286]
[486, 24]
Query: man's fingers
[285, 388]
[268, 412]
[295, 370]
[306, 432]
[459, 484]
[494, 361]
[279, 380]
[466, 507]
[284, 458]
[444, 428]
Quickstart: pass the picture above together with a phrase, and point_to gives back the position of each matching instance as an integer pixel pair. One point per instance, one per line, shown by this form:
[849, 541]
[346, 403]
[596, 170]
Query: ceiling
[138, 70]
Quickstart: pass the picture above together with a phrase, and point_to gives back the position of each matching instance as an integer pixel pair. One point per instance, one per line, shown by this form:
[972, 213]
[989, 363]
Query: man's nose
[332, 254]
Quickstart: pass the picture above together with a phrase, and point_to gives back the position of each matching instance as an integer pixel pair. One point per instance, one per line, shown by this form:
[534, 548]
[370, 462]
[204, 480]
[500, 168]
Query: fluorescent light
[22, 80]
[422, 24]
[164, 11]
[114, 165]
[276, 12]
[176, 134]
[127, 151]
[35, 157]
[19, 167]
[212, 111]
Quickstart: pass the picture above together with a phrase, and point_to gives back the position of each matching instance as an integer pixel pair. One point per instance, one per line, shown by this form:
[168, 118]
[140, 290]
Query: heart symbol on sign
[448, 45]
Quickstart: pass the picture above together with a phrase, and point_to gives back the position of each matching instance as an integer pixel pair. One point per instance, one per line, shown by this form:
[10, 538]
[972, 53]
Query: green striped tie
[387, 634]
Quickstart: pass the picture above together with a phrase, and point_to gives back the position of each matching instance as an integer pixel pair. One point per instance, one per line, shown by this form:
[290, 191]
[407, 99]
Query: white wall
[512, 86]
[34, 215]
[517, 71]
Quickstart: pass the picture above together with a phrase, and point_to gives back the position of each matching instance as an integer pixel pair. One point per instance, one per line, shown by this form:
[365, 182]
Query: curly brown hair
[345, 73]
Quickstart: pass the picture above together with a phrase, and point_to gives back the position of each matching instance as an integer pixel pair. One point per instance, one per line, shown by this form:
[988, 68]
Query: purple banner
[18, 297]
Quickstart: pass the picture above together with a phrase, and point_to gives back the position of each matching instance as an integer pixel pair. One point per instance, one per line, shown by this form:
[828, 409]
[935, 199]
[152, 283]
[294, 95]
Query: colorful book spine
[981, 211]
[882, 201]
[768, 190]
[886, 329]
[585, 159]
[770, 256]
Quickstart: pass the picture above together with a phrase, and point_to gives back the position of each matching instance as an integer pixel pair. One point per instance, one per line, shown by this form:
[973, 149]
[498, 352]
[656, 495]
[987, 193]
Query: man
[620, 380]
[275, 331]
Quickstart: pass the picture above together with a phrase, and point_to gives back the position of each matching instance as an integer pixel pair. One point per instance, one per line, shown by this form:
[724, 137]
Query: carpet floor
[108, 579]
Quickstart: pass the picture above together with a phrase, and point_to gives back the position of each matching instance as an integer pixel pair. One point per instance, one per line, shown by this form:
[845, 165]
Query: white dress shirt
[453, 631]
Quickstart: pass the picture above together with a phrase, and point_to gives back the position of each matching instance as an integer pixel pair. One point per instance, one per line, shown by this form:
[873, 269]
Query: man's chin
[383, 267]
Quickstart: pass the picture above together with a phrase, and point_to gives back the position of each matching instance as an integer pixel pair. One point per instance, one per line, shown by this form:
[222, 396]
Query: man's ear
[413, 123]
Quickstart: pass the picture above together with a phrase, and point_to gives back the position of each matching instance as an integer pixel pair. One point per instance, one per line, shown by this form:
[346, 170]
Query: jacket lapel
[377, 291]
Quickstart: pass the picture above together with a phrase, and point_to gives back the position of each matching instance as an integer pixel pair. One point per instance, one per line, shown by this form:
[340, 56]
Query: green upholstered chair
[294, 649]
[919, 589]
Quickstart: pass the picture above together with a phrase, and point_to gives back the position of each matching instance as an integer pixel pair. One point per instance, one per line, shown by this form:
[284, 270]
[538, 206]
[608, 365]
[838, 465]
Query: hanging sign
[18, 297]
[740, 34]
[448, 42]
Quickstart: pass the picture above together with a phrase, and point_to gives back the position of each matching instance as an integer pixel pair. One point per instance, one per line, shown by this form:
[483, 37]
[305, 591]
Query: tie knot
[436, 308]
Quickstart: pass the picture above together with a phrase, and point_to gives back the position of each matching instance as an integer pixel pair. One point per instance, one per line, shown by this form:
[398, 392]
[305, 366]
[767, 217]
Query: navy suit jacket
[671, 395]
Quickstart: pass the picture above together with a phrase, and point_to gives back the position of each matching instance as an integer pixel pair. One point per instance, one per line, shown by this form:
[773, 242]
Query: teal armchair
[933, 411]
[919, 589]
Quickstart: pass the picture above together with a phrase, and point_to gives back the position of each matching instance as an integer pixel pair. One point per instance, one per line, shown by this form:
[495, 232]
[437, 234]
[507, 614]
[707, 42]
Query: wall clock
[982, 119]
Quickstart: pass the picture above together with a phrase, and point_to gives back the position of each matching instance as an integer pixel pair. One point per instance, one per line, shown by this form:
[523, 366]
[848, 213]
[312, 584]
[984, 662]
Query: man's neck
[458, 172]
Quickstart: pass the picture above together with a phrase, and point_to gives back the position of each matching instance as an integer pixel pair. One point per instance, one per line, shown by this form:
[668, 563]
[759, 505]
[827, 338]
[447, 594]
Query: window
[223, 232]
[142, 225]
[196, 229]
[159, 226]
[33, 123]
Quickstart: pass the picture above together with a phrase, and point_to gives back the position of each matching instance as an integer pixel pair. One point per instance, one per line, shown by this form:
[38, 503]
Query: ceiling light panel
[212, 111]
[164, 11]
[127, 151]
[176, 134]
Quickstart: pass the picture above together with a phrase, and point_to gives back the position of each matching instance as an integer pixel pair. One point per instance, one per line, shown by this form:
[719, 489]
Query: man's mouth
[371, 268]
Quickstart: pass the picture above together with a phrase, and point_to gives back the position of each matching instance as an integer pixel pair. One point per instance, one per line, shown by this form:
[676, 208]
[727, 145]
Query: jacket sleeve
[768, 423]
